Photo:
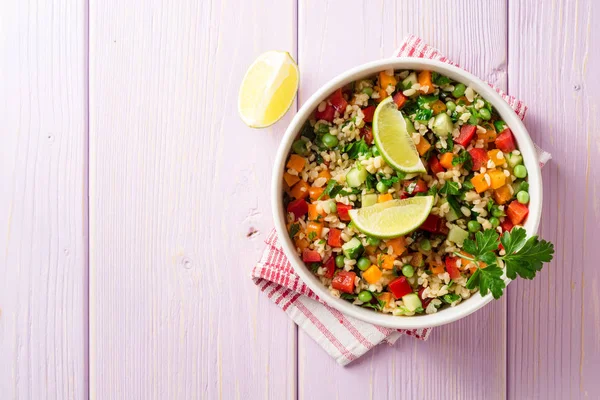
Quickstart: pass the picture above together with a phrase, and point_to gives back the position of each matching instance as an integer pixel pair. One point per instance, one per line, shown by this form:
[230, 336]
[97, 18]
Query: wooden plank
[465, 360]
[179, 203]
[554, 329]
[43, 281]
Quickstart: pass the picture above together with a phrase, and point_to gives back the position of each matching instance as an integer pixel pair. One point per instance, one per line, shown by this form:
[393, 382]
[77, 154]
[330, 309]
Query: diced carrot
[423, 146]
[300, 190]
[438, 107]
[384, 197]
[462, 101]
[314, 193]
[480, 183]
[497, 157]
[436, 267]
[497, 178]
[313, 213]
[296, 162]
[417, 260]
[316, 227]
[489, 135]
[426, 82]
[386, 297]
[290, 179]
[302, 244]
[382, 94]
[386, 80]
[372, 274]
[398, 245]
[324, 174]
[446, 160]
[503, 194]
[386, 261]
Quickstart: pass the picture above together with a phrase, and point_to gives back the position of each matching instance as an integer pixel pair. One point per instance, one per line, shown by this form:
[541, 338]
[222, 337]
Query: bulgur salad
[468, 171]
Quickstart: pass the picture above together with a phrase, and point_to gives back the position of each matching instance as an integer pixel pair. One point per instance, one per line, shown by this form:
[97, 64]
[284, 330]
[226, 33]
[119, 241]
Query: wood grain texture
[43, 279]
[179, 205]
[554, 334]
[331, 40]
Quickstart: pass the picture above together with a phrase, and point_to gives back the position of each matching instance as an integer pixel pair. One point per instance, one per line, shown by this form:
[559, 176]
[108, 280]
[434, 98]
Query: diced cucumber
[410, 127]
[369, 199]
[412, 302]
[452, 215]
[442, 125]
[410, 80]
[352, 249]
[356, 176]
[457, 235]
[514, 159]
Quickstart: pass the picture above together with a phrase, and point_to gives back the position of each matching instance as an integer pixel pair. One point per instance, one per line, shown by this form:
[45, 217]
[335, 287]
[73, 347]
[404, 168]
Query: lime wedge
[268, 89]
[392, 139]
[392, 218]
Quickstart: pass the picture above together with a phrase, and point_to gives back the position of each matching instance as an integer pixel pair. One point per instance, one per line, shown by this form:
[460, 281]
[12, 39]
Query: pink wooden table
[129, 187]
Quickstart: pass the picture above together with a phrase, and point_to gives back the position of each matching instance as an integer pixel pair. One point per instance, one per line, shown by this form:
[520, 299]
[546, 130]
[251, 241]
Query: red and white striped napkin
[344, 338]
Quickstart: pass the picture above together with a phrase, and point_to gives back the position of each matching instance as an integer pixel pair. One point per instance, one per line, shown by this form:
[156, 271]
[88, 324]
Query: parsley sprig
[524, 257]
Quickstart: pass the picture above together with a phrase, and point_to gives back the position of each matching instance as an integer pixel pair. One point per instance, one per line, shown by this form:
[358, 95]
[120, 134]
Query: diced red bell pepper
[506, 141]
[327, 114]
[435, 165]
[431, 224]
[367, 134]
[400, 287]
[298, 207]
[338, 102]
[311, 256]
[335, 237]
[452, 268]
[506, 225]
[467, 133]
[368, 112]
[342, 210]
[479, 157]
[442, 228]
[425, 301]
[344, 281]
[414, 187]
[399, 99]
[329, 266]
[517, 212]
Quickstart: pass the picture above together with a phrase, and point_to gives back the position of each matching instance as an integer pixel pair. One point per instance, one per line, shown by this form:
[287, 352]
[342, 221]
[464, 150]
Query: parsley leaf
[450, 298]
[312, 236]
[465, 159]
[331, 190]
[524, 257]
[314, 267]
[357, 148]
[454, 204]
[371, 181]
[500, 126]
[422, 100]
[450, 187]
[389, 182]
[449, 147]
[423, 114]
[348, 296]
[294, 229]
[440, 80]
[485, 241]
[488, 279]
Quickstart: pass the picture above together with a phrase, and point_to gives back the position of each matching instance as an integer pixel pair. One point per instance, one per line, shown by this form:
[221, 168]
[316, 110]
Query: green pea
[382, 187]
[496, 212]
[459, 90]
[371, 241]
[425, 244]
[473, 226]
[473, 120]
[520, 171]
[451, 106]
[299, 147]
[368, 91]
[365, 296]
[485, 114]
[495, 222]
[339, 261]
[323, 129]
[524, 186]
[329, 140]
[375, 151]
[363, 263]
[408, 271]
[523, 197]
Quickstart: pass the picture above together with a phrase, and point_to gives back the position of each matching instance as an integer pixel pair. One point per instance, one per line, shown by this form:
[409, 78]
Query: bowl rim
[524, 142]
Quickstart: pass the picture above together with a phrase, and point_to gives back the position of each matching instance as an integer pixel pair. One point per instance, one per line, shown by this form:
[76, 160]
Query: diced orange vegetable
[398, 245]
[490, 133]
[300, 190]
[497, 177]
[386, 297]
[436, 268]
[384, 197]
[463, 101]
[386, 80]
[382, 94]
[314, 193]
[290, 179]
[301, 244]
[497, 157]
[517, 212]
[426, 82]
[313, 213]
[296, 162]
[503, 194]
[446, 160]
[438, 107]
[417, 260]
[423, 146]
[480, 183]
[324, 174]
[316, 227]
[386, 261]
[372, 274]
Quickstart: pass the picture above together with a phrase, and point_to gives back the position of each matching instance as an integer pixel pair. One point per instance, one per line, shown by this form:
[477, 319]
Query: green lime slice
[392, 218]
[393, 141]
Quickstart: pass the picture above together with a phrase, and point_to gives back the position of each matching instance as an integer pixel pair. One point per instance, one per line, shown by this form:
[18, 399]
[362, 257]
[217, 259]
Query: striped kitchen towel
[344, 338]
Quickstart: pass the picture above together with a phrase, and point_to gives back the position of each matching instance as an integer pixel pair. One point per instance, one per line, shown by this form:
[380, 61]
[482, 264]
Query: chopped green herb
[294, 229]
[450, 298]
[312, 236]
[314, 267]
[465, 159]
[439, 79]
[422, 100]
[355, 149]
[450, 187]
[449, 147]
[423, 114]
[331, 190]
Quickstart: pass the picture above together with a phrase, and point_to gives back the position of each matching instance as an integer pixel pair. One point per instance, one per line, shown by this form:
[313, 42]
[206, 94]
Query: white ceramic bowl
[525, 145]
